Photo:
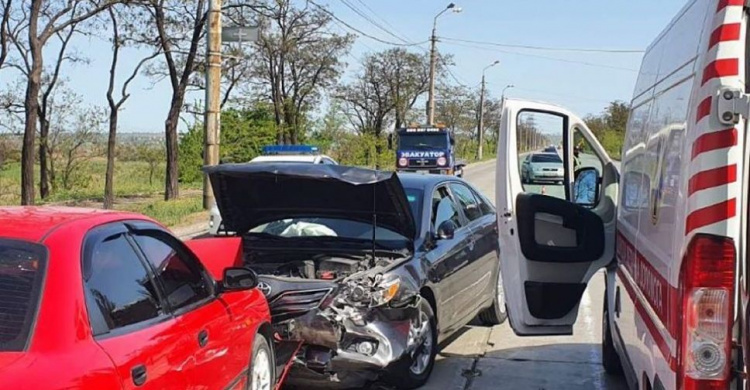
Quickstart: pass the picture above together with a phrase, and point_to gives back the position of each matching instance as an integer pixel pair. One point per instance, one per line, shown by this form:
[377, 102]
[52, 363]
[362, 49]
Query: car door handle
[139, 375]
[203, 338]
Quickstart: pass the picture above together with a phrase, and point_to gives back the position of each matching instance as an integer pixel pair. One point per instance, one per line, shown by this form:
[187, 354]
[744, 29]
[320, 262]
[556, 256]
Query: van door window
[539, 140]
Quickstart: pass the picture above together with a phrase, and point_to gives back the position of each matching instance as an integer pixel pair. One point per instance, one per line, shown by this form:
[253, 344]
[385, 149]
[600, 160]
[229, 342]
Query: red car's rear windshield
[22, 268]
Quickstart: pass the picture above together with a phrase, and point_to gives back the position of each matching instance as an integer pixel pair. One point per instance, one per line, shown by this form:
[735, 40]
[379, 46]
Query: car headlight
[385, 292]
[402, 162]
[442, 161]
[372, 293]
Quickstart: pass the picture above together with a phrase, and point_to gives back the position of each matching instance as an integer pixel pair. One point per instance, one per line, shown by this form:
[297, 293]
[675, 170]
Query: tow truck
[426, 149]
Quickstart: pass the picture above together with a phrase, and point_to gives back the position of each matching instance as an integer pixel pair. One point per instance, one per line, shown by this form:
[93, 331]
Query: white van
[669, 225]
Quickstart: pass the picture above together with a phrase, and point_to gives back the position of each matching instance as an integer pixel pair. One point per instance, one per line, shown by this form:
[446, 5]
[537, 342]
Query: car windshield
[338, 227]
[546, 158]
[423, 141]
[22, 267]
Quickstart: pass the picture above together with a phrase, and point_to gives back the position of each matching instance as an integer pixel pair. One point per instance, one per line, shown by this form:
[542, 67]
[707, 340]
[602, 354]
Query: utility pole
[480, 128]
[212, 120]
[433, 60]
[481, 121]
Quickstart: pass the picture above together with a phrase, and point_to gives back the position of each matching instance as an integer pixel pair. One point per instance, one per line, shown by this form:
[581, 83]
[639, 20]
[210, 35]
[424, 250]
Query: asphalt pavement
[483, 358]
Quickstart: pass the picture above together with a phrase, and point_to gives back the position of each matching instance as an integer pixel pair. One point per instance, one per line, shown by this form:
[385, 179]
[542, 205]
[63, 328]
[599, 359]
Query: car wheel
[414, 369]
[498, 312]
[262, 365]
[610, 358]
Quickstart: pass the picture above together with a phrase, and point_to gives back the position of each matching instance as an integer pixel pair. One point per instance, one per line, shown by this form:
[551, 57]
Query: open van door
[556, 191]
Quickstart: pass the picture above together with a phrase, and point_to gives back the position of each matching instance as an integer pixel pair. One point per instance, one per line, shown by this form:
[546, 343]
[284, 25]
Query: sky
[582, 82]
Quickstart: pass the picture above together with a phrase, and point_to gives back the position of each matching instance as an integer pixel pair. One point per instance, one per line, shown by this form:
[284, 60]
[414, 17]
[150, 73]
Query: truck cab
[426, 150]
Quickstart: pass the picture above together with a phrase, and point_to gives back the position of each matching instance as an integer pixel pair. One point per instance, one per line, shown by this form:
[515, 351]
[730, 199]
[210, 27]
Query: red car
[107, 300]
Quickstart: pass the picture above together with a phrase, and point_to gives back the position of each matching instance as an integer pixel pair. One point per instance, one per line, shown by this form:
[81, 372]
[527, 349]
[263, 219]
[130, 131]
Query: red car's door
[220, 340]
[127, 317]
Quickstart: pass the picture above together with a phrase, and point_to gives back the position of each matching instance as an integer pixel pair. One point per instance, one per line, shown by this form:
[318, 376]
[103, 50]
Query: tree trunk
[109, 195]
[31, 117]
[171, 190]
[43, 153]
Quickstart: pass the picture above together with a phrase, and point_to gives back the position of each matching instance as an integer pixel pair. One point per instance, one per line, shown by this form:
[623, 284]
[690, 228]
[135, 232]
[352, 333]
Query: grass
[134, 191]
[177, 212]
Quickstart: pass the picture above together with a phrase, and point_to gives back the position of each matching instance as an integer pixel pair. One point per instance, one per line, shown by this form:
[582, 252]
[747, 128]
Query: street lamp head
[451, 5]
[496, 62]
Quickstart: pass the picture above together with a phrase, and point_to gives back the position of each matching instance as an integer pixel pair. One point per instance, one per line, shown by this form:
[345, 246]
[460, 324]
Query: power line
[548, 48]
[382, 19]
[544, 57]
[360, 32]
[371, 21]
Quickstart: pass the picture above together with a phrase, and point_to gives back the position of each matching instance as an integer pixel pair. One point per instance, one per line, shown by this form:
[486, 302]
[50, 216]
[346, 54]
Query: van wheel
[262, 365]
[497, 313]
[610, 358]
[413, 370]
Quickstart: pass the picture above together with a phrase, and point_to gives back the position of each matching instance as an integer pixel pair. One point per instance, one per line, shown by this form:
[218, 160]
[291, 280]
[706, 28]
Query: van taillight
[707, 296]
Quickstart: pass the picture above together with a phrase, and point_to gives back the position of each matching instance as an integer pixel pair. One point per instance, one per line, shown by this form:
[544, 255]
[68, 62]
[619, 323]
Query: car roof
[31, 223]
[303, 158]
[420, 180]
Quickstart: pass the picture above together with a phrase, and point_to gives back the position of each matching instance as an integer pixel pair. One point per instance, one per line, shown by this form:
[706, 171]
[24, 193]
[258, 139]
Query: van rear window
[22, 268]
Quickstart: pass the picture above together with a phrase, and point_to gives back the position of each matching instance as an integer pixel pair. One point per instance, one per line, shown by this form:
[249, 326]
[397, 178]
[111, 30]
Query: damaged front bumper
[348, 346]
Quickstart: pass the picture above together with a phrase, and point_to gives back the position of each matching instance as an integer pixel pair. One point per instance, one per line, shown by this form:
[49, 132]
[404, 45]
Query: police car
[669, 224]
[302, 154]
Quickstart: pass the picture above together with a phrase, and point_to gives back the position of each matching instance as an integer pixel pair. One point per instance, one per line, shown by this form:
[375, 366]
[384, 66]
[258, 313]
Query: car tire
[413, 370]
[610, 358]
[262, 371]
[498, 312]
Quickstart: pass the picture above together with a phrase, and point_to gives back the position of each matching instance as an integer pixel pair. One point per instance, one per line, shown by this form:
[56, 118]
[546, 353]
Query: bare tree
[367, 101]
[180, 28]
[298, 58]
[49, 83]
[5, 31]
[77, 145]
[386, 89]
[41, 20]
[116, 104]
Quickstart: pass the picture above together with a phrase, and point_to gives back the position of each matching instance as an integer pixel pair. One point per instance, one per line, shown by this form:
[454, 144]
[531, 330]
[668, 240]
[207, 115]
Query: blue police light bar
[289, 149]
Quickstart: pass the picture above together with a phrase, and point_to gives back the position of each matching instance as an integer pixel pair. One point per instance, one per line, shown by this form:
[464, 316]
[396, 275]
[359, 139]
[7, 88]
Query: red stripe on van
[724, 33]
[660, 296]
[712, 214]
[712, 178]
[726, 3]
[704, 109]
[653, 329]
[714, 140]
[721, 68]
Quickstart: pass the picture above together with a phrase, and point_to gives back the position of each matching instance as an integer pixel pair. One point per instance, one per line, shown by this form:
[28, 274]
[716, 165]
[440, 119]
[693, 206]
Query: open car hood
[249, 195]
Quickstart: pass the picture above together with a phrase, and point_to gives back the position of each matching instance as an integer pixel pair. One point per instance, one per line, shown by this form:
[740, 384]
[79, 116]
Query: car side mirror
[446, 230]
[452, 140]
[239, 279]
[586, 187]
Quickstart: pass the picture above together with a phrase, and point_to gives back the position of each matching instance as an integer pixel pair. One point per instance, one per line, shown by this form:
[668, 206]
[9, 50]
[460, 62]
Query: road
[495, 358]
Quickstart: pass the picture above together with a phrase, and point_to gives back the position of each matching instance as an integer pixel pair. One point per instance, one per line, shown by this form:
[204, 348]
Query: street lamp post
[480, 129]
[433, 59]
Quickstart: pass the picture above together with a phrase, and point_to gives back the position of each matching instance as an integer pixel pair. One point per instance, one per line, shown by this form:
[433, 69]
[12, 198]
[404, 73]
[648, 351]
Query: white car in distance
[275, 154]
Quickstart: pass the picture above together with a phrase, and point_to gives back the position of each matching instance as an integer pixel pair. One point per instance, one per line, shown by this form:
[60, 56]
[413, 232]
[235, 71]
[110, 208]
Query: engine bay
[319, 266]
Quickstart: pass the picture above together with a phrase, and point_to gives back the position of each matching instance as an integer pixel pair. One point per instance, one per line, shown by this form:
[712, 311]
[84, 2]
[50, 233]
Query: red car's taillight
[707, 296]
